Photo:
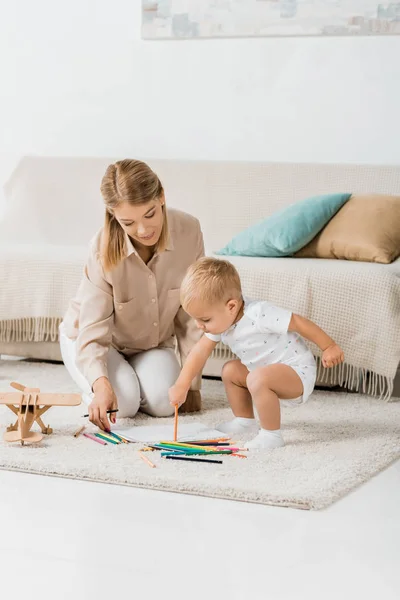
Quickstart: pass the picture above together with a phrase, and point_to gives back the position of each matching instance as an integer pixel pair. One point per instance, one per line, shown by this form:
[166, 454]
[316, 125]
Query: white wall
[77, 79]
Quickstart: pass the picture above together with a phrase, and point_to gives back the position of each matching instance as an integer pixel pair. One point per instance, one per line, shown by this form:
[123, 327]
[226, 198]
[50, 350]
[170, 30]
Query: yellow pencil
[143, 457]
[105, 435]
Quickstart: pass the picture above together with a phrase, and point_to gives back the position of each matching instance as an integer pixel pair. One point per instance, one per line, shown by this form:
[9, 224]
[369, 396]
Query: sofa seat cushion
[37, 284]
[356, 303]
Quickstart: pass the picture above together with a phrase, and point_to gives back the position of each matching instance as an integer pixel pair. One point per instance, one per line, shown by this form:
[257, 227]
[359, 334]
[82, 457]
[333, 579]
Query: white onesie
[261, 338]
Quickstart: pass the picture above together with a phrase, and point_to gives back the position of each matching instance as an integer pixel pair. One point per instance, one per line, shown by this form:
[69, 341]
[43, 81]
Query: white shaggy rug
[334, 443]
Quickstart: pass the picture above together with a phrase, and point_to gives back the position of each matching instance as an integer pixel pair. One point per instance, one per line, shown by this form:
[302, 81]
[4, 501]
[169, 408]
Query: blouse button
[155, 323]
[119, 306]
[153, 300]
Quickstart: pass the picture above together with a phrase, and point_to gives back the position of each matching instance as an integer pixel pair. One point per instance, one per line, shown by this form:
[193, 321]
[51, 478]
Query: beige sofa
[54, 207]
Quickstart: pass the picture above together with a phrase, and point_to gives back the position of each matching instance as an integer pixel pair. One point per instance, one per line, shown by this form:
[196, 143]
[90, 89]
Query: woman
[117, 338]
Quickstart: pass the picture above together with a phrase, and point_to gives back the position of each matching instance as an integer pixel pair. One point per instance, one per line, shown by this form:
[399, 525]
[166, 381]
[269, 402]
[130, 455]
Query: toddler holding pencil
[274, 363]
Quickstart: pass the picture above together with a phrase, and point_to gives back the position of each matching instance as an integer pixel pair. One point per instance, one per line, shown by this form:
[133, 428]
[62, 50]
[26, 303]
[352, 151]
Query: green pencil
[106, 438]
[184, 450]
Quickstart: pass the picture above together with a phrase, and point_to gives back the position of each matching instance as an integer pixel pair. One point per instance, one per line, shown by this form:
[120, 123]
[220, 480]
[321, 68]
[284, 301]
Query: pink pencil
[232, 448]
[95, 439]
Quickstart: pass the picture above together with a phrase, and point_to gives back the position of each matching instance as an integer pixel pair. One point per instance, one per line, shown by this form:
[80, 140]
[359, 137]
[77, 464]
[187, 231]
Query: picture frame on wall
[193, 19]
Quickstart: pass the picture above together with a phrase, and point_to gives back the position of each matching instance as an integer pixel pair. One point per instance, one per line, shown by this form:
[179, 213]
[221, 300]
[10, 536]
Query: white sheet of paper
[156, 433]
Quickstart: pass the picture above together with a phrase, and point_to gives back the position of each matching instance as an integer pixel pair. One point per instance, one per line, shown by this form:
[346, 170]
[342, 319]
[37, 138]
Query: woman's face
[143, 223]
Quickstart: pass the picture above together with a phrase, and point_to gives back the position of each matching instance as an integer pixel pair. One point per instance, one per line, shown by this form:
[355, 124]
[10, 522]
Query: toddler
[273, 362]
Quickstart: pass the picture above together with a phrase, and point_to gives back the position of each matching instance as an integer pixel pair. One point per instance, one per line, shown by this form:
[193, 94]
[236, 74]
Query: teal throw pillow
[285, 232]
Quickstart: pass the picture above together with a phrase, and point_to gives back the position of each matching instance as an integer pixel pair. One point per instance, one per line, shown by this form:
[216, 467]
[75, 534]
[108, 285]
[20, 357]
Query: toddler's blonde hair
[210, 280]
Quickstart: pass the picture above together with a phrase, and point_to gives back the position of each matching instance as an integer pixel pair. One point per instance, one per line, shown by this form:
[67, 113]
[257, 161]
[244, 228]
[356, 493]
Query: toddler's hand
[177, 395]
[332, 356]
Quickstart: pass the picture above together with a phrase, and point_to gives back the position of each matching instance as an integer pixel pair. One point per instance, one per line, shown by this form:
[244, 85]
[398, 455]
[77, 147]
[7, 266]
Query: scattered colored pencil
[106, 437]
[174, 453]
[118, 437]
[209, 443]
[201, 448]
[95, 439]
[225, 439]
[176, 423]
[146, 460]
[79, 431]
[193, 450]
[190, 458]
[182, 445]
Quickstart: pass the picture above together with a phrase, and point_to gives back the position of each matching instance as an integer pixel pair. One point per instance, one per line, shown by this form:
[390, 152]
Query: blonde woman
[117, 338]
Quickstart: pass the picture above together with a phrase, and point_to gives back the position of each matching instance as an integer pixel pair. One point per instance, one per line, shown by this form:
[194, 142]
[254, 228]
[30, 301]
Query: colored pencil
[146, 460]
[108, 412]
[79, 431]
[187, 447]
[182, 445]
[190, 458]
[205, 448]
[106, 435]
[174, 453]
[183, 450]
[207, 441]
[190, 452]
[106, 438]
[178, 453]
[117, 437]
[95, 439]
[176, 423]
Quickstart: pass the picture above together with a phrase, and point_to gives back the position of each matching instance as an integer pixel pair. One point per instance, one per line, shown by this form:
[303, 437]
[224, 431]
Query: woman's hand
[104, 400]
[177, 395]
[333, 355]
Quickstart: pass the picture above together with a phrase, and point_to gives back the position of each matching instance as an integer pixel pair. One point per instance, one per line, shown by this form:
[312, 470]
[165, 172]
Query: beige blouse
[135, 307]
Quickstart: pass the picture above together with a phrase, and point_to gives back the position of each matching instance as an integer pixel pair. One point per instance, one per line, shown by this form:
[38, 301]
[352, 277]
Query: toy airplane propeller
[29, 405]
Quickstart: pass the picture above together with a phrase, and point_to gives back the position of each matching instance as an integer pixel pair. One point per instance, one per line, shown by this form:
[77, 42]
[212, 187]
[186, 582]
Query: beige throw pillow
[366, 228]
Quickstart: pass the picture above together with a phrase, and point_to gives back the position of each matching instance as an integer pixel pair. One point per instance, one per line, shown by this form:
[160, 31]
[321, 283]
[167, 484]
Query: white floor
[67, 539]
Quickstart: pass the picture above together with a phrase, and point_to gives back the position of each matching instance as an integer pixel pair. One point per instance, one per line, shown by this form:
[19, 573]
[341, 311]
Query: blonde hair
[210, 280]
[130, 181]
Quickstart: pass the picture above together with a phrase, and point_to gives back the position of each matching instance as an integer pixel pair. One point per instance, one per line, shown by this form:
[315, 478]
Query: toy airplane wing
[39, 399]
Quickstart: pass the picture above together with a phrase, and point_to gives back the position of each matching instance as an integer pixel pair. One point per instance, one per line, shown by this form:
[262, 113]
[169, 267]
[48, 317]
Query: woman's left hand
[332, 356]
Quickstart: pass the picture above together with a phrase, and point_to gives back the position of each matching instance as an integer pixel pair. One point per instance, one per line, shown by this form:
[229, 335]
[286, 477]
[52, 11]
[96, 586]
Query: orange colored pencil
[176, 423]
[79, 431]
[143, 457]
[209, 441]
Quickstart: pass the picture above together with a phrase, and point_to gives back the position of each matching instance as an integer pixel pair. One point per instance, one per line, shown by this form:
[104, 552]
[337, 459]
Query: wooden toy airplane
[29, 406]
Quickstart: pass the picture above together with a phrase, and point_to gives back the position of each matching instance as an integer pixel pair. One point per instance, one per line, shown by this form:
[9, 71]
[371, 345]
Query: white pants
[140, 382]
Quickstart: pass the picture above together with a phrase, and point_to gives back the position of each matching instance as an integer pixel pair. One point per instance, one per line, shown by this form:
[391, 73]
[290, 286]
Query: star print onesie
[261, 338]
